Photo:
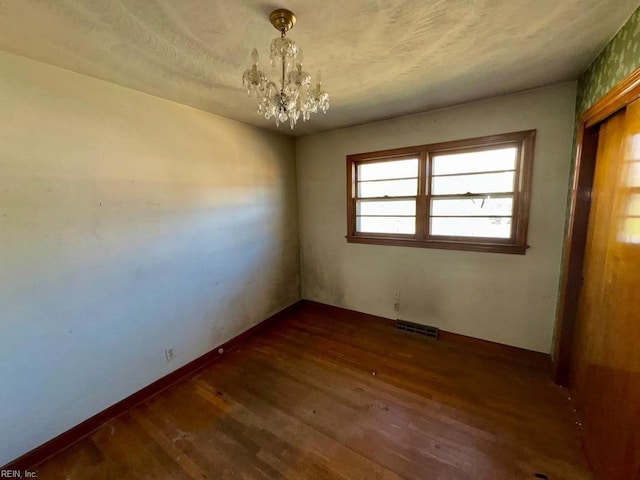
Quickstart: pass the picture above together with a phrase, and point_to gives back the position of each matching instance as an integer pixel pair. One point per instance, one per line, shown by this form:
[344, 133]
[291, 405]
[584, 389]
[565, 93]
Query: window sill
[440, 244]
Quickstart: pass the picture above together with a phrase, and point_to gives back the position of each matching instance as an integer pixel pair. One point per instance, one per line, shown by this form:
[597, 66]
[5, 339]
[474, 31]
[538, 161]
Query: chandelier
[294, 97]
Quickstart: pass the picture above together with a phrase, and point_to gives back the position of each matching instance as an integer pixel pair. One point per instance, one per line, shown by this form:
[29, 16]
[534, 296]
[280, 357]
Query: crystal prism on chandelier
[294, 97]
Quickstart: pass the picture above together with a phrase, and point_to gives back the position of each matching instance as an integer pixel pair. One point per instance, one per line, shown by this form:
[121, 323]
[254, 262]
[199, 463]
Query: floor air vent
[426, 330]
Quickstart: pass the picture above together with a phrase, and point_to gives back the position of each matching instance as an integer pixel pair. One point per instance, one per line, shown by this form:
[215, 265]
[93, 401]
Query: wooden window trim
[515, 244]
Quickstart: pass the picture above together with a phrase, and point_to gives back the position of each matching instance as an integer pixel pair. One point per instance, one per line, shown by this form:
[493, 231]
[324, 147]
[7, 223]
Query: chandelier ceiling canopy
[294, 96]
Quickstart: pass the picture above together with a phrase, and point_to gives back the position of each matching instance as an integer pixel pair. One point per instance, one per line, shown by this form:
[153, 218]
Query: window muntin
[469, 195]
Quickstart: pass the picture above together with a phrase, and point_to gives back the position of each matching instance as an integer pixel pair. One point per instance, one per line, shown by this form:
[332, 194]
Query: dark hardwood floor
[322, 396]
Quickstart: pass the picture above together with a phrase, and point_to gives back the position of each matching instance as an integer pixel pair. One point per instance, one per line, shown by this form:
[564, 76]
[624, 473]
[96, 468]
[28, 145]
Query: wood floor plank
[444, 431]
[317, 396]
[290, 406]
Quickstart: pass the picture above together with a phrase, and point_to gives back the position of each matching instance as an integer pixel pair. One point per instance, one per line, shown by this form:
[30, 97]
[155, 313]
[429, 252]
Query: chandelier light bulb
[293, 97]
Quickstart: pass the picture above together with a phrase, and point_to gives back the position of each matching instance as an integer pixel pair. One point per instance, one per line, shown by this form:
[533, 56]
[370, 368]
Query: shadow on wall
[92, 291]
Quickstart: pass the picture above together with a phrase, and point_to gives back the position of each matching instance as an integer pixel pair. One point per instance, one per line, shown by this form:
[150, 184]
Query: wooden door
[606, 372]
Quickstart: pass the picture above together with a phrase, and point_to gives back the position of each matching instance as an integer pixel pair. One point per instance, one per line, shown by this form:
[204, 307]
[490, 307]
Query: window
[463, 195]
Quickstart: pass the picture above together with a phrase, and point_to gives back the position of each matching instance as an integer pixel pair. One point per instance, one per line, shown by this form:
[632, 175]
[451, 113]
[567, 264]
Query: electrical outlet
[396, 307]
[169, 354]
[396, 295]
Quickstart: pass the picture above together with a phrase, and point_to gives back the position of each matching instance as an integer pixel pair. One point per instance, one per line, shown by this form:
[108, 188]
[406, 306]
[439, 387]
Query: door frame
[575, 239]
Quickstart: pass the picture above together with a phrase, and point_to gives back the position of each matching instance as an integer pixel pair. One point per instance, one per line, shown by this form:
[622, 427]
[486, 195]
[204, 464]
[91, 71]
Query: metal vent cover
[426, 330]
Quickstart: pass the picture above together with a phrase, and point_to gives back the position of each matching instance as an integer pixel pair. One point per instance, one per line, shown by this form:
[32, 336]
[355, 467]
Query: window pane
[630, 232]
[633, 205]
[386, 207]
[452, 207]
[386, 225]
[633, 174]
[485, 161]
[472, 227]
[391, 188]
[478, 183]
[389, 169]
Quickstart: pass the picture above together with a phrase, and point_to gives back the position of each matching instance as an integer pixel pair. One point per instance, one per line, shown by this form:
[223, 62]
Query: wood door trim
[627, 91]
[618, 98]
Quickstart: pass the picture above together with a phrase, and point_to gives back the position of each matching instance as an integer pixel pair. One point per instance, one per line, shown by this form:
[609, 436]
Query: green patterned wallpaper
[619, 58]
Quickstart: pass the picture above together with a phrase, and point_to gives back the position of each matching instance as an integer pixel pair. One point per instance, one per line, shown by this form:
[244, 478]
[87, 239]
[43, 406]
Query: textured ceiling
[380, 58]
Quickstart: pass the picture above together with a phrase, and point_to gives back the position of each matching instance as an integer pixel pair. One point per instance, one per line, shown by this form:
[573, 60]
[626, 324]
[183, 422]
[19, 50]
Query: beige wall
[128, 224]
[509, 299]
